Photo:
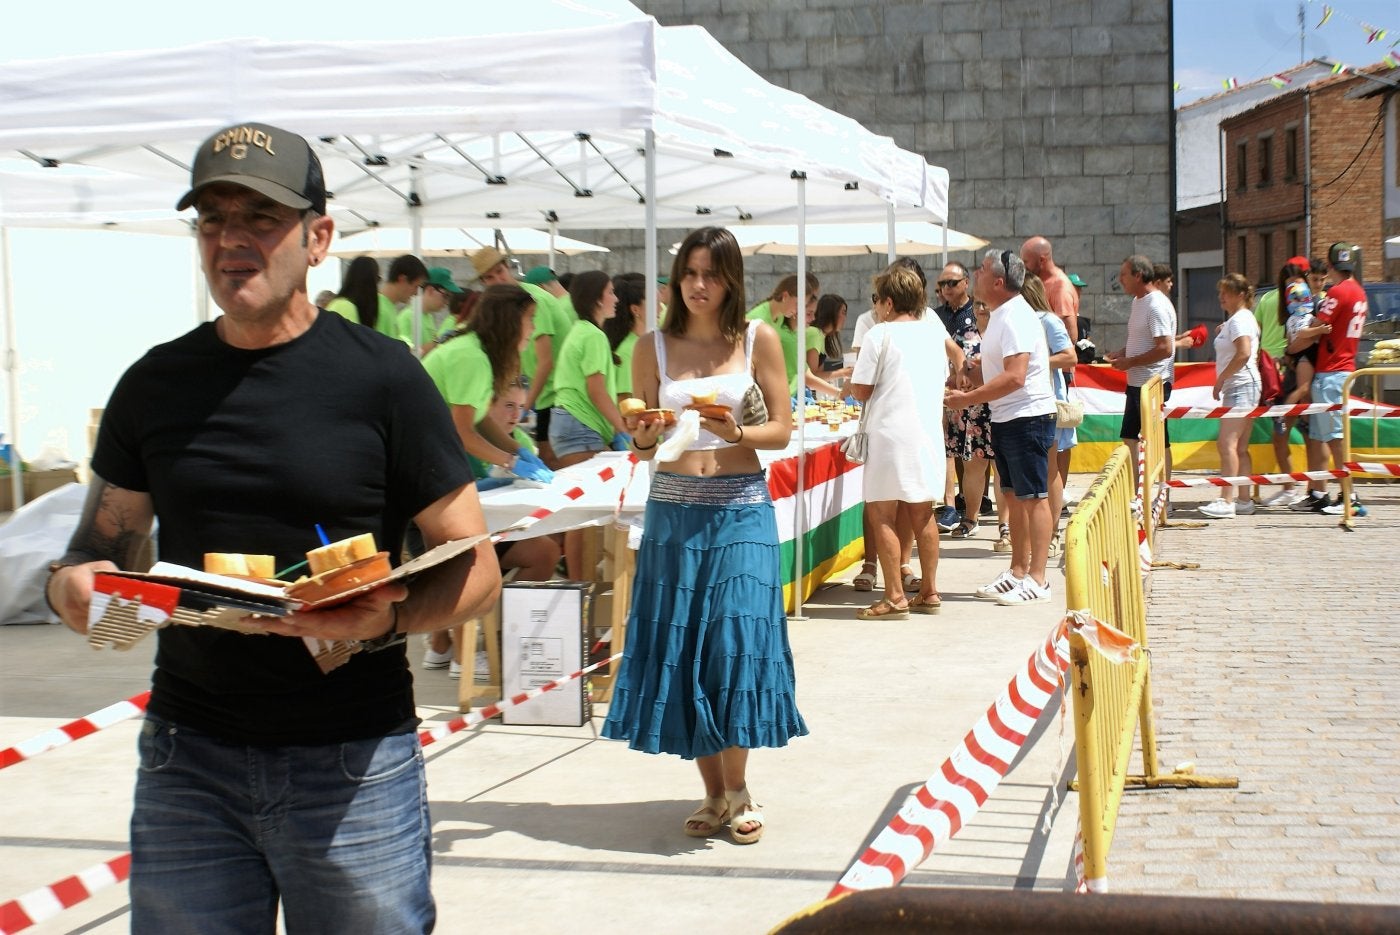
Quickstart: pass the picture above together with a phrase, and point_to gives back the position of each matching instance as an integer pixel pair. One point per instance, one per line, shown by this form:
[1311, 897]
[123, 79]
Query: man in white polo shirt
[1016, 384]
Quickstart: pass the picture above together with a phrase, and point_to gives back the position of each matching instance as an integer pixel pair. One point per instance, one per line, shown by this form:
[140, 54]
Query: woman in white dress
[900, 376]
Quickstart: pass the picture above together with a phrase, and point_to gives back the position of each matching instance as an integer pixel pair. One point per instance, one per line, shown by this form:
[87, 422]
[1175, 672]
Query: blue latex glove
[621, 441]
[491, 483]
[525, 454]
[850, 401]
[532, 468]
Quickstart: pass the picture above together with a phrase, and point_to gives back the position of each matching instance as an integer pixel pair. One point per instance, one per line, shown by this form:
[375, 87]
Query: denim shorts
[1240, 393]
[569, 436]
[1327, 388]
[1023, 446]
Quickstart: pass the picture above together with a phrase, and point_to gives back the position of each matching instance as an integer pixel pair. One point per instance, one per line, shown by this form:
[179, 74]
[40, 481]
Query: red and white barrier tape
[957, 789]
[443, 731]
[1284, 412]
[603, 480]
[75, 730]
[1370, 467]
[46, 902]
[1241, 479]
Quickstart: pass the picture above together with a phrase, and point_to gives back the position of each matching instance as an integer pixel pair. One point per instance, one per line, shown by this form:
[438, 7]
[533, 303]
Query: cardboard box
[544, 636]
[36, 483]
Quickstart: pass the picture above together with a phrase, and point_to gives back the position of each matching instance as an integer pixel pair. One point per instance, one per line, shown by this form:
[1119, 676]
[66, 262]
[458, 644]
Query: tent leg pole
[7, 296]
[800, 515]
[650, 239]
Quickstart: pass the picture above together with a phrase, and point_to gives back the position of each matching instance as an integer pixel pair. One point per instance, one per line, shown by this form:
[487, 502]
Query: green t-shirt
[462, 373]
[1272, 336]
[763, 311]
[624, 369]
[788, 337]
[585, 353]
[554, 319]
[433, 326]
[388, 320]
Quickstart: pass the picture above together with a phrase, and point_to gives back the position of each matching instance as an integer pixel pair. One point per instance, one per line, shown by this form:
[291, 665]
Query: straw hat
[485, 259]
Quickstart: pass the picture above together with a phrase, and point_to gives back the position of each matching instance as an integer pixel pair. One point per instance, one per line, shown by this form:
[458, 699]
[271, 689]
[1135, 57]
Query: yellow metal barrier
[1154, 455]
[1375, 373]
[1111, 702]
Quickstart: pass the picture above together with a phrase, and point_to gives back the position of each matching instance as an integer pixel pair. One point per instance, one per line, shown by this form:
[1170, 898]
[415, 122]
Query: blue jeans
[220, 832]
[1327, 388]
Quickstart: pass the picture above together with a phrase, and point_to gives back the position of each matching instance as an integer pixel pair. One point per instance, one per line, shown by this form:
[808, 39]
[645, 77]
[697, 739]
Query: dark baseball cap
[269, 160]
[1339, 257]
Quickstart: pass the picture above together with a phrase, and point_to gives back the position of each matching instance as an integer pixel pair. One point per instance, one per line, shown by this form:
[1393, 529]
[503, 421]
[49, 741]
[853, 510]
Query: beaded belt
[721, 490]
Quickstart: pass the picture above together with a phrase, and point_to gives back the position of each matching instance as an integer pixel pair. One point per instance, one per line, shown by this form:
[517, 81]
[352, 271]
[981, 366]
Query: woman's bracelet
[740, 438]
[637, 447]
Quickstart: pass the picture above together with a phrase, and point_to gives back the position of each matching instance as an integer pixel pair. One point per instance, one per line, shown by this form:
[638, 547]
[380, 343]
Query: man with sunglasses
[968, 436]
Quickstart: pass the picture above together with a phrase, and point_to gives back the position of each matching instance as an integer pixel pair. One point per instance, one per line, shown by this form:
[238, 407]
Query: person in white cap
[264, 781]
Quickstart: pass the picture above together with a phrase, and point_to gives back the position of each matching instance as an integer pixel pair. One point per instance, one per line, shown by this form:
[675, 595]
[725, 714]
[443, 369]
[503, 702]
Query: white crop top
[728, 387]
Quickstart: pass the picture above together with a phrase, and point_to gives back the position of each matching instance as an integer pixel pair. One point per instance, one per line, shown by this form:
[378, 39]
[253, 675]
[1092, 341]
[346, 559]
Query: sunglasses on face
[948, 283]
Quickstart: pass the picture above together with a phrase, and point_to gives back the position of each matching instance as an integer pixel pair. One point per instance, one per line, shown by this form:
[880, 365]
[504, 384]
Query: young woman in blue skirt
[708, 673]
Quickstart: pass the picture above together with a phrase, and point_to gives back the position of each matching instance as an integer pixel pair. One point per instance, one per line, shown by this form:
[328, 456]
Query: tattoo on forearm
[107, 529]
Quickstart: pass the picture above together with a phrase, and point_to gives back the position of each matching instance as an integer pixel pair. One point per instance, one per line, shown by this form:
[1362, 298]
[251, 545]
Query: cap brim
[452, 287]
[278, 193]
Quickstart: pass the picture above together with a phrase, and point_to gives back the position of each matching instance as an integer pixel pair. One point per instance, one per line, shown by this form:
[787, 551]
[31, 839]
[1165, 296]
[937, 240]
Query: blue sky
[1248, 39]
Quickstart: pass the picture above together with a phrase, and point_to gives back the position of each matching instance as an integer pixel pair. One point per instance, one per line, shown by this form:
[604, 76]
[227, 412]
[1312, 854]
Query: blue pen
[325, 540]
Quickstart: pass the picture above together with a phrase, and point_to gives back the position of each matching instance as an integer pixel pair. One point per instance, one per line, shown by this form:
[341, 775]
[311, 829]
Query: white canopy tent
[615, 124]
[459, 241]
[911, 238]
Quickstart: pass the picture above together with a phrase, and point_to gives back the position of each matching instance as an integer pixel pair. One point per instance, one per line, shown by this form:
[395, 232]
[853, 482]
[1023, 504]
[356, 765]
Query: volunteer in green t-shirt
[359, 299]
[626, 326]
[537, 359]
[585, 419]
[472, 368]
[783, 303]
[437, 292]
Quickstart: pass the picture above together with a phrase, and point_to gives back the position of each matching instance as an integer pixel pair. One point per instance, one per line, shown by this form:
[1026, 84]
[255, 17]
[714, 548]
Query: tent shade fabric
[456, 241]
[912, 238]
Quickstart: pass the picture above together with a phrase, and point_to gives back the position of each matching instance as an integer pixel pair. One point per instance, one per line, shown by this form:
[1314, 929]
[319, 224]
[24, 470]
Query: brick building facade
[1306, 169]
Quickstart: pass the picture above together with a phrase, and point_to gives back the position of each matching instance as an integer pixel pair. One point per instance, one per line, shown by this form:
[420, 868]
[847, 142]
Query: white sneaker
[1003, 583]
[432, 660]
[483, 665]
[1219, 509]
[1244, 507]
[454, 669]
[1027, 593]
[1282, 498]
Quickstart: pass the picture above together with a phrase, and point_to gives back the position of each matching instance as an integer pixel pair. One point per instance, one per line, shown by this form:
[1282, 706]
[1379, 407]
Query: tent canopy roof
[485, 130]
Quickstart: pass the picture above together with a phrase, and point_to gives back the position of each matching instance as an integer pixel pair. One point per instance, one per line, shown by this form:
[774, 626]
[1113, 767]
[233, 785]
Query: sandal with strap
[884, 609]
[926, 605]
[865, 581]
[709, 817]
[743, 811]
[912, 582]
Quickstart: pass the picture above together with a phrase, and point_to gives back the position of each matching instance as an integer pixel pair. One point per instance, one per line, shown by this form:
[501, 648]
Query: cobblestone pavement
[1278, 662]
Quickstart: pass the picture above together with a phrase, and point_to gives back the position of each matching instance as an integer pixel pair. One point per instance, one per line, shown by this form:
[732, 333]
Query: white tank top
[728, 387]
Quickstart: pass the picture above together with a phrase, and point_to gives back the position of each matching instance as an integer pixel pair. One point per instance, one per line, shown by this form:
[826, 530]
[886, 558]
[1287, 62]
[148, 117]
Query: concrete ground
[535, 827]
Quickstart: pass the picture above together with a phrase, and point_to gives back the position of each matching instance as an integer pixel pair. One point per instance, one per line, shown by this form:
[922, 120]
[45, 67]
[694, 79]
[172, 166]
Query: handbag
[753, 410]
[857, 447]
[1068, 414]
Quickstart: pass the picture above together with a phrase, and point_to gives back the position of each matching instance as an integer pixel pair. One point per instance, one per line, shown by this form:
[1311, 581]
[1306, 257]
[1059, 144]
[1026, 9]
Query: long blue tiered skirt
[708, 665]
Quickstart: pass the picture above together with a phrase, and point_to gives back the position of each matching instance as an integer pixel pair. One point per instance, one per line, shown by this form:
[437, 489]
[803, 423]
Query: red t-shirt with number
[1345, 310]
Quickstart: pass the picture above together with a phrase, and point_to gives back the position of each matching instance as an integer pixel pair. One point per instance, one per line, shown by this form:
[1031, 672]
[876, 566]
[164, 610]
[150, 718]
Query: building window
[1292, 235]
[1266, 160]
[1266, 255]
[1241, 256]
[1241, 165]
[1290, 154]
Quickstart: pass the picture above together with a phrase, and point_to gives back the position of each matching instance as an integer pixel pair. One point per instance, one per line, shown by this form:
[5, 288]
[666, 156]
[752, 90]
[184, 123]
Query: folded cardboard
[544, 637]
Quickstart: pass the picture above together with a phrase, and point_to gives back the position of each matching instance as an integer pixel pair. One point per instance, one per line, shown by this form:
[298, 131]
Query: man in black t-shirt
[967, 431]
[262, 778]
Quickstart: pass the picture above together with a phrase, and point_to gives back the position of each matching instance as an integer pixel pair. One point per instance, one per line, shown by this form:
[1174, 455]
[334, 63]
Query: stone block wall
[1051, 118]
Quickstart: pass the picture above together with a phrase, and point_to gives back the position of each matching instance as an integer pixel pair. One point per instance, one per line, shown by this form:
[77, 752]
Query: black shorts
[542, 426]
[1132, 414]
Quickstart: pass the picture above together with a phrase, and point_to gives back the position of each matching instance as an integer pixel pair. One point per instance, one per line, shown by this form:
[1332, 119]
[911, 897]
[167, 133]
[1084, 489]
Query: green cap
[1074, 280]
[539, 275]
[441, 277]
